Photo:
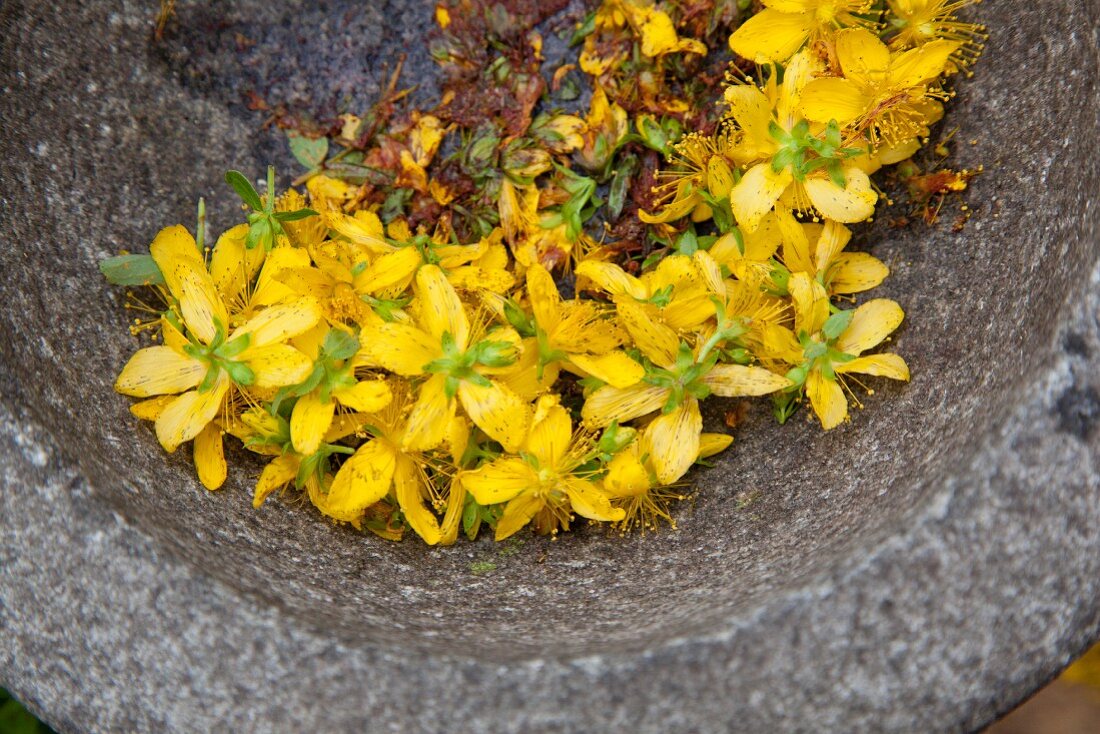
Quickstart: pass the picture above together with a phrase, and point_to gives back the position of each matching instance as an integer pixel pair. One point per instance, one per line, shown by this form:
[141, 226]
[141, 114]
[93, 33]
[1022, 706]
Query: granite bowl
[923, 568]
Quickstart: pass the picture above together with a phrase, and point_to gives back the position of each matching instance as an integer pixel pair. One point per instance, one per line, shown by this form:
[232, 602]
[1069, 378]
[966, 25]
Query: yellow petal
[517, 514]
[780, 343]
[546, 302]
[456, 502]
[550, 435]
[811, 303]
[752, 111]
[366, 396]
[734, 380]
[400, 348]
[189, 413]
[278, 365]
[855, 272]
[232, 265]
[200, 305]
[796, 243]
[618, 404]
[458, 438]
[309, 422]
[159, 371]
[150, 410]
[474, 278]
[719, 177]
[431, 415]
[345, 424]
[827, 399]
[276, 324]
[833, 98]
[209, 456]
[709, 271]
[871, 323]
[615, 368]
[524, 379]
[863, 57]
[363, 479]
[500, 480]
[657, 341]
[363, 229]
[612, 279]
[878, 365]
[498, 411]
[441, 310]
[756, 193]
[270, 288]
[922, 64]
[394, 269]
[590, 501]
[672, 441]
[711, 444]
[833, 239]
[771, 35]
[172, 247]
[853, 203]
[626, 475]
[279, 472]
[406, 486]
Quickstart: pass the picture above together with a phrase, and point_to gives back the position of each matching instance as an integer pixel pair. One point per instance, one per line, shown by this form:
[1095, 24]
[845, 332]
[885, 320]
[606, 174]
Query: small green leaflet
[310, 152]
[131, 270]
[836, 324]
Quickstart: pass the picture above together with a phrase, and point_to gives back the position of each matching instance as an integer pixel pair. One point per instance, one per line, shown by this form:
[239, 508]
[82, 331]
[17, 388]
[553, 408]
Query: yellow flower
[840, 272]
[673, 293]
[333, 382]
[674, 383]
[546, 479]
[577, 332]
[883, 94]
[916, 22]
[776, 33]
[269, 435]
[443, 349]
[607, 125]
[233, 268]
[202, 368]
[772, 137]
[384, 465]
[632, 481]
[829, 348]
[655, 29]
[703, 169]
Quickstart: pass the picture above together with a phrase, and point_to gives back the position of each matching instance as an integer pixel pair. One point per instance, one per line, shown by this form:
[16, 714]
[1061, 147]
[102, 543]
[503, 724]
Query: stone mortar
[924, 568]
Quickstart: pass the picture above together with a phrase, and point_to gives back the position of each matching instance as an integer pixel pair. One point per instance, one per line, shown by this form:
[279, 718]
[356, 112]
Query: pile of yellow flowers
[402, 378]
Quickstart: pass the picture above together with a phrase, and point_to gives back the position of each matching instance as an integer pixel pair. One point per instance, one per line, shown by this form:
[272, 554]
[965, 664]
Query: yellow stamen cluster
[403, 378]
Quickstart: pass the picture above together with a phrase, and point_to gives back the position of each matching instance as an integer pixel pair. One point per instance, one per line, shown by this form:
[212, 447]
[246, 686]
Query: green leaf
[294, 216]
[340, 344]
[620, 183]
[310, 152]
[244, 189]
[836, 324]
[583, 29]
[131, 270]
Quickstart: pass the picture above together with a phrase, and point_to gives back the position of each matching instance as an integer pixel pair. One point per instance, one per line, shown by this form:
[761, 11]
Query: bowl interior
[157, 126]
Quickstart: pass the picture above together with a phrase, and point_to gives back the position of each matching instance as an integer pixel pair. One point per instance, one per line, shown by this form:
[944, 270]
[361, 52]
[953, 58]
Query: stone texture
[922, 569]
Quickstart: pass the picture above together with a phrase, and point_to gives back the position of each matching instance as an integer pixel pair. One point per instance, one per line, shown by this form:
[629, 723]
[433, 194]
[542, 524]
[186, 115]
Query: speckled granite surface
[922, 569]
